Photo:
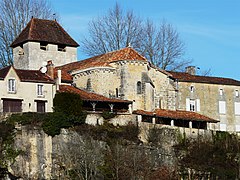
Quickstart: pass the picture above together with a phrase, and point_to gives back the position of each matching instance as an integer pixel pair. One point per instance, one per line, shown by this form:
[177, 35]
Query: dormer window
[62, 48]
[12, 86]
[43, 46]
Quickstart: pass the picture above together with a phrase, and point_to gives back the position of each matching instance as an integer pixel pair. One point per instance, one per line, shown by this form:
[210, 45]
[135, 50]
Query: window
[236, 93]
[43, 46]
[222, 107]
[192, 89]
[192, 105]
[11, 86]
[237, 108]
[237, 128]
[220, 92]
[62, 48]
[139, 87]
[223, 127]
[40, 90]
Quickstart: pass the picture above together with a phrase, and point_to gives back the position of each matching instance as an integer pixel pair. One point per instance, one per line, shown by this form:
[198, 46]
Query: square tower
[42, 40]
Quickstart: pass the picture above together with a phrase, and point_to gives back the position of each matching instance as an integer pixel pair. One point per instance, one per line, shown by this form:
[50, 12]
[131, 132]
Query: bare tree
[113, 31]
[161, 45]
[14, 15]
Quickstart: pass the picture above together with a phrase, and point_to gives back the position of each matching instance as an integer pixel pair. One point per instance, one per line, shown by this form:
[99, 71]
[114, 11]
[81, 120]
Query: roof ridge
[30, 28]
[203, 75]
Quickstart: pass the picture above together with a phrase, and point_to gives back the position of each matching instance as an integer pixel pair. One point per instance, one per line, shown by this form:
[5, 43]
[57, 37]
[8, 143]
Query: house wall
[208, 97]
[34, 58]
[27, 91]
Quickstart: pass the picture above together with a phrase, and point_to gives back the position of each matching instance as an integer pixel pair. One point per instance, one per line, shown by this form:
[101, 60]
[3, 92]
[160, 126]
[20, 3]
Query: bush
[27, 118]
[68, 104]
[108, 115]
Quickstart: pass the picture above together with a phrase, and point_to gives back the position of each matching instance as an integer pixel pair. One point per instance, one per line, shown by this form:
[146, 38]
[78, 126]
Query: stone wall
[208, 97]
[120, 81]
[32, 57]
[44, 157]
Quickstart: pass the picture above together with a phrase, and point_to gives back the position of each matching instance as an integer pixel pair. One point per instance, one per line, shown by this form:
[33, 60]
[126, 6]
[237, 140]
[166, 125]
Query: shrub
[108, 115]
[27, 118]
[68, 104]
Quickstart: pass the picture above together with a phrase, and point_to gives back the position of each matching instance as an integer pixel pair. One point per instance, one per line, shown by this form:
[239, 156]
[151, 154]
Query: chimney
[50, 69]
[191, 70]
[59, 79]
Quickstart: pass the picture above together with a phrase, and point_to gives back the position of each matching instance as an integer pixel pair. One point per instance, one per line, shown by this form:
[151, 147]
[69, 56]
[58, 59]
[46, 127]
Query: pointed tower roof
[41, 30]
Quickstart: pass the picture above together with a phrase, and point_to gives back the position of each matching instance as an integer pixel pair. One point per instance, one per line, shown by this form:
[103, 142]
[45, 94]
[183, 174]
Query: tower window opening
[43, 46]
[62, 48]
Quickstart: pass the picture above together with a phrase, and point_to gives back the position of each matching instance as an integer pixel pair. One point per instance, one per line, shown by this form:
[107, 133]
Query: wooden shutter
[222, 107]
[198, 105]
[12, 105]
[237, 108]
[187, 104]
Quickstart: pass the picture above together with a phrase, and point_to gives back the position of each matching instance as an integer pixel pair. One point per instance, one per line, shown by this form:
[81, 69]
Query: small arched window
[192, 89]
[236, 93]
[139, 87]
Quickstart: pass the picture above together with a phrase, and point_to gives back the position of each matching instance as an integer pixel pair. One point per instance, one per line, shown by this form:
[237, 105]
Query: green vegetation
[68, 103]
[108, 115]
[7, 151]
[67, 113]
[110, 133]
[219, 158]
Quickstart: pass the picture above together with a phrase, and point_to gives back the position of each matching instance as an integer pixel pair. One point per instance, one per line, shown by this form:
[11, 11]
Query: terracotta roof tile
[4, 71]
[66, 77]
[27, 75]
[89, 96]
[176, 115]
[42, 30]
[33, 76]
[104, 60]
[185, 77]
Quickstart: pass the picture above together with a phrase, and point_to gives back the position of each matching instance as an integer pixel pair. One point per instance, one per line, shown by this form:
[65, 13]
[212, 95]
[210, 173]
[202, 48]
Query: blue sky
[209, 28]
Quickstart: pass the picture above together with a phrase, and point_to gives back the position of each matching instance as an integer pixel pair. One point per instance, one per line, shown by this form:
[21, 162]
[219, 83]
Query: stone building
[126, 75]
[214, 97]
[123, 81]
[40, 41]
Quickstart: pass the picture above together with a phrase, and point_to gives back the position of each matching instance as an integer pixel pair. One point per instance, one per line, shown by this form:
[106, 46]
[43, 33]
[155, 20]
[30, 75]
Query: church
[122, 82]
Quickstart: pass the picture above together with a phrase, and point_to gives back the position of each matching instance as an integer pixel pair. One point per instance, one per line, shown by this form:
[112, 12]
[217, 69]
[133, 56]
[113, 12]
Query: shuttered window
[222, 107]
[223, 127]
[237, 108]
